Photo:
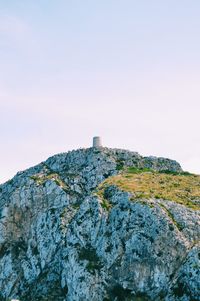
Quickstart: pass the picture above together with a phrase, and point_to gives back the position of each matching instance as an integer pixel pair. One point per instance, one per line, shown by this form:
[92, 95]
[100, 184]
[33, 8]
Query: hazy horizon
[128, 71]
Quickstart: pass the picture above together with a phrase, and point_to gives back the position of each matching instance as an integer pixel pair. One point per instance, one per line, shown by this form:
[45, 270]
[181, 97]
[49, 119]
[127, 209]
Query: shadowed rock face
[59, 242]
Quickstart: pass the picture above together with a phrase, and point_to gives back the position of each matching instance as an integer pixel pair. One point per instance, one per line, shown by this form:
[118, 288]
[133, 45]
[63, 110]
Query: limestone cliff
[75, 228]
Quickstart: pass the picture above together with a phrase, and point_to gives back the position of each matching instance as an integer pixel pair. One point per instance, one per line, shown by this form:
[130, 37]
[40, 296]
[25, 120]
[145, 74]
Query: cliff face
[62, 238]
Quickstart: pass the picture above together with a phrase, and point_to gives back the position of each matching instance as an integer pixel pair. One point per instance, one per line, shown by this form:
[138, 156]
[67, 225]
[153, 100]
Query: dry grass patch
[41, 179]
[180, 188]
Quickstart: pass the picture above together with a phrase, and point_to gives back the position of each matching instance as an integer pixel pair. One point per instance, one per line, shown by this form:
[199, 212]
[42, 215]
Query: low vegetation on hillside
[182, 188]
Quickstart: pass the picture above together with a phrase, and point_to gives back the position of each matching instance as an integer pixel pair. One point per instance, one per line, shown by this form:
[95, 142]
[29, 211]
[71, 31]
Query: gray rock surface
[59, 242]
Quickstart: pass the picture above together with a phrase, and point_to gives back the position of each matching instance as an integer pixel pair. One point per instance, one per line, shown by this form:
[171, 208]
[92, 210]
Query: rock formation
[63, 237]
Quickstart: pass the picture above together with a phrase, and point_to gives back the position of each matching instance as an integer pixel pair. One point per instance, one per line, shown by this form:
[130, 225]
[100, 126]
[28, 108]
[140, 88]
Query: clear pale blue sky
[123, 69]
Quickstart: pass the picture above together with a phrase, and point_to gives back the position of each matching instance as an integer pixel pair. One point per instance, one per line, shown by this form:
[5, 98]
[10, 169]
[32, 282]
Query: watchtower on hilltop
[97, 142]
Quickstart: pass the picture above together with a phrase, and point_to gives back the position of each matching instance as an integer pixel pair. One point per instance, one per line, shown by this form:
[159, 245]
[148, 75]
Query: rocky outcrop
[59, 241]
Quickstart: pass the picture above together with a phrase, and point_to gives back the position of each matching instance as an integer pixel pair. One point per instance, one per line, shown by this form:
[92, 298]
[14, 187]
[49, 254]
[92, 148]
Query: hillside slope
[100, 224]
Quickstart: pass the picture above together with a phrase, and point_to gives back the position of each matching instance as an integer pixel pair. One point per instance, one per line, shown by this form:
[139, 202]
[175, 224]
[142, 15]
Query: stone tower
[97, 141]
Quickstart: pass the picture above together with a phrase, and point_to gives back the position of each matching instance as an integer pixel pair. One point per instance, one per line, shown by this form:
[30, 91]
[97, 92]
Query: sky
[126, 70]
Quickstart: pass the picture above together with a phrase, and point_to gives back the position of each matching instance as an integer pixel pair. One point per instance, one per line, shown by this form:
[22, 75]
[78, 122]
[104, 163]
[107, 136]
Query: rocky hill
[100, 224]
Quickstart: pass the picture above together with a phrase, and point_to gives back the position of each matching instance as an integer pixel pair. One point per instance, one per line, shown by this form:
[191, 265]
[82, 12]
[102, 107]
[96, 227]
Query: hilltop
[100, 224]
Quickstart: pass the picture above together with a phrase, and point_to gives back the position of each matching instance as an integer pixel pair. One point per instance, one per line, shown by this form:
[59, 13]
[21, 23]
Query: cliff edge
[100, 224]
